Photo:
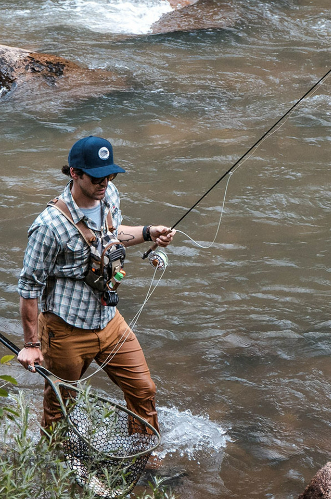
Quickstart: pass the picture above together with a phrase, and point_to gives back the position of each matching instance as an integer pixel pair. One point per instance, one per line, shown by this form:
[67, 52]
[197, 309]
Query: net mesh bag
[106, 445]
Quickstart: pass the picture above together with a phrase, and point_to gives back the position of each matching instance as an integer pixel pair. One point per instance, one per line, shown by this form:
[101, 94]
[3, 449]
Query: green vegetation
[33, 466]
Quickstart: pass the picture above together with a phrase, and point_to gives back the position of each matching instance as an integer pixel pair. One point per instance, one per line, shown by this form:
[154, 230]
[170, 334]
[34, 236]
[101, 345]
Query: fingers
[164, 240]
[162, 235]
[161, 241]
[28, 357]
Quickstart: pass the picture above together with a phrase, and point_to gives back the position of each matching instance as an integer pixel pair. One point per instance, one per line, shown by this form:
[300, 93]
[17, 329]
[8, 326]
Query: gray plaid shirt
[56, 260]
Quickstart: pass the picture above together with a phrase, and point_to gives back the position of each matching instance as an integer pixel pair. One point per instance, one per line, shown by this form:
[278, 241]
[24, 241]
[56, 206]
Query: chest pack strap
[87, 233]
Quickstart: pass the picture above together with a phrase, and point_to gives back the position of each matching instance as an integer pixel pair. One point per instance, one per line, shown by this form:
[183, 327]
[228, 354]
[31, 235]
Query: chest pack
[107, 254]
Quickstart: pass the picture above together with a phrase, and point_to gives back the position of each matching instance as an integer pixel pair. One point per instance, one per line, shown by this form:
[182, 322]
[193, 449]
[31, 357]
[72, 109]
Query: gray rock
[320, 485]
[191, 16]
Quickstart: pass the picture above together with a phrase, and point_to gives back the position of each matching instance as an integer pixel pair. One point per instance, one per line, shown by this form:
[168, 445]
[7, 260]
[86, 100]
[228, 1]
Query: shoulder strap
[87, 233]
[109, 222]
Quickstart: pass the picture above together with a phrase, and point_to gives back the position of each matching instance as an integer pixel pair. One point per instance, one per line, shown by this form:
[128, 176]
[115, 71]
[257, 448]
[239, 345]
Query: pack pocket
[95, 281]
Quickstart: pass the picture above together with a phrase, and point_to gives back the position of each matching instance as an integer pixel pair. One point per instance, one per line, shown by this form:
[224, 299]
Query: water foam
[115, 16]
[189, 435]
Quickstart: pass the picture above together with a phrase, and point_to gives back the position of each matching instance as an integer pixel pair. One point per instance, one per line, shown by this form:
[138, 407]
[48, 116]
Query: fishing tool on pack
[105, 270]
[247, 154]
[105, 444]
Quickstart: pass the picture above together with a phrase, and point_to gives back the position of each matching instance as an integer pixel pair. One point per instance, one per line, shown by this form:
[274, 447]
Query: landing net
[107, 446]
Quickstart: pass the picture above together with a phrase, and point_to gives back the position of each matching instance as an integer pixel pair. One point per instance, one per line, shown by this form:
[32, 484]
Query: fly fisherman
[73, 262]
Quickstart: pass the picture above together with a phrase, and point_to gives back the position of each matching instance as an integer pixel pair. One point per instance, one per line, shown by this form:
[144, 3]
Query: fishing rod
[255, 145]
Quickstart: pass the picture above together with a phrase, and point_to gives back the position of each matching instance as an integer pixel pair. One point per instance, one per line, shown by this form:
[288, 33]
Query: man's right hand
[28, 357]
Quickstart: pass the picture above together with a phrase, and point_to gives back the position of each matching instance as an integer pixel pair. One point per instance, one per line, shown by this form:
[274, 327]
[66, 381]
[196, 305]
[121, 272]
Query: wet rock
[320, 485]
[21, 68]
[203, 14]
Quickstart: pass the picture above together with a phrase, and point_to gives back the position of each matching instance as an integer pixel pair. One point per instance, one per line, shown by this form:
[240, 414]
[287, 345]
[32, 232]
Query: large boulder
[320, 485]
[21, 68]
[202, 14]
[24, 72]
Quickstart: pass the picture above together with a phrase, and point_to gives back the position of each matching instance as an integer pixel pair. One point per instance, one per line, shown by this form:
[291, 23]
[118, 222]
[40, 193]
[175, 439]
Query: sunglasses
[99, 180]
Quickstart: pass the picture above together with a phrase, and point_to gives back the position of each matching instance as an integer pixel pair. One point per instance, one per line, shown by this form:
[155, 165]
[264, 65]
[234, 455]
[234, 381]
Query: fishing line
[274, 128]
[219, 223]
[245, 156]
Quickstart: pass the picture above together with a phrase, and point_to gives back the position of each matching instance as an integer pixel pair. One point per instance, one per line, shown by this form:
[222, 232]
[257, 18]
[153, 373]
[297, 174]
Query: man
[76, 324]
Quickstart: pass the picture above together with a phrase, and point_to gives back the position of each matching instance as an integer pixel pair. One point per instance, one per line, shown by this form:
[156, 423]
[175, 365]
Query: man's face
[92, 190]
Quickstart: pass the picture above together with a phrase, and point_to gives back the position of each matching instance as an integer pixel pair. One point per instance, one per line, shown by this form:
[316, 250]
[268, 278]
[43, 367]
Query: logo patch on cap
[103, 153]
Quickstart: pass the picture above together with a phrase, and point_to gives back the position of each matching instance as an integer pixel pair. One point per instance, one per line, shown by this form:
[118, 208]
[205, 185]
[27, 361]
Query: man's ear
[73, 174]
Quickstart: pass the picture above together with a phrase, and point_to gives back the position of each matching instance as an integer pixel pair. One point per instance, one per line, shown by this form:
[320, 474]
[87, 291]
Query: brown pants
[68, 351]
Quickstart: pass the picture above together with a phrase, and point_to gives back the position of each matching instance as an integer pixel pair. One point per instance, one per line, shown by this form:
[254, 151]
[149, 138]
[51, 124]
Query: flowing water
[237, 336]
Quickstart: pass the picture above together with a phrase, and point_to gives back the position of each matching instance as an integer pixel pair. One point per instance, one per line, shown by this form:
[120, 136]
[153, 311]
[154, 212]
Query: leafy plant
[7, 379]
[159, 490]
[35, 467]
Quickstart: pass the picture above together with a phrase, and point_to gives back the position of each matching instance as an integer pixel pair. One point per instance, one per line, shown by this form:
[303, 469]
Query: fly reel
[158, 259]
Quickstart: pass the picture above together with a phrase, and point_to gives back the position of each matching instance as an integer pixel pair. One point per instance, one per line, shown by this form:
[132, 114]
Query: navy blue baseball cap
[94, 156]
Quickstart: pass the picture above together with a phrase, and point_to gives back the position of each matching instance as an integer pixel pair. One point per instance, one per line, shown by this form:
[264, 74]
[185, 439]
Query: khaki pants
[68, 351]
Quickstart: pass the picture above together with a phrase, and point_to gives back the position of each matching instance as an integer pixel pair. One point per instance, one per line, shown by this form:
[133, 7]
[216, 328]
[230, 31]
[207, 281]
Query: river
[237, 336]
